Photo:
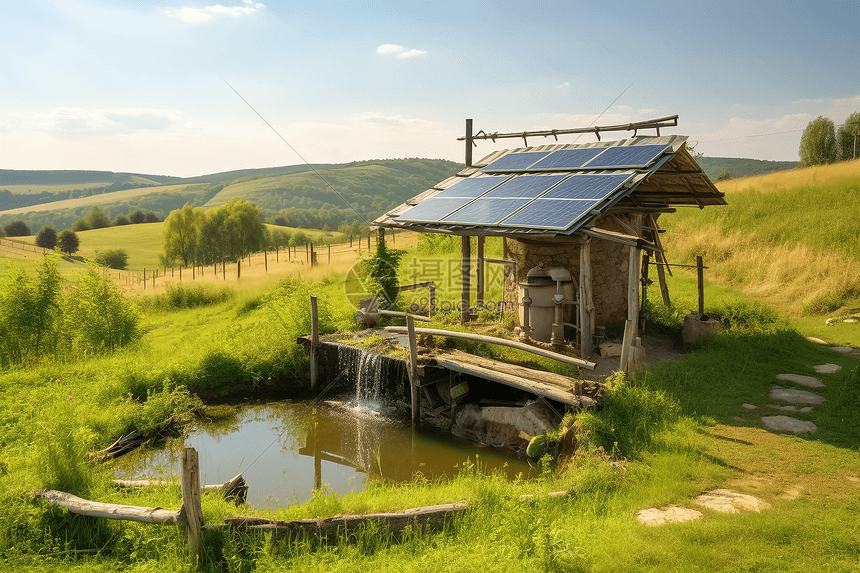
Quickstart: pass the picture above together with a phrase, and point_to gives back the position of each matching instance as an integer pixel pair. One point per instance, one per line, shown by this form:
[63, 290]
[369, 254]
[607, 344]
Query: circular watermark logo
[371, 279]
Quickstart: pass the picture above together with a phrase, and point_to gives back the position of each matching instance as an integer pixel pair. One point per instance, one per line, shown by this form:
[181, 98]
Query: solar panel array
[537, 189]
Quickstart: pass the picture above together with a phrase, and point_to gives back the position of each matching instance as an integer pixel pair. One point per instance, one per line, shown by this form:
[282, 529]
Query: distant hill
[738, 167]
[359, 191]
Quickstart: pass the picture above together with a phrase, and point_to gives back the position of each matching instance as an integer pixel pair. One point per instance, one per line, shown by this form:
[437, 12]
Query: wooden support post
[479, 273]
[633, 289]
[701, 284]
[645, 259]
[192, 510]
[315, 340]
[626, 342]
[266, 259]
[223, 270]
[308, 252]
[468, 143]
[413, 372]
[193, 272]
[661, 275]
[239, 269]
[465, 300]
[277, 254]
[586, 301]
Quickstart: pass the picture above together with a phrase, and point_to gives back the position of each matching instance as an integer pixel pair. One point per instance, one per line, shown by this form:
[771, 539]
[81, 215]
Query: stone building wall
[609, 265]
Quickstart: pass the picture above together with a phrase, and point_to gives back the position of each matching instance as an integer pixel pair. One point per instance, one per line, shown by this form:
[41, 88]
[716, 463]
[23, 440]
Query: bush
[68, 242]
[112, 258]
[121, 220]
[80, 225]
[16, 229]
[137, 217]
[98, 316]
[179, 296]
[46, 237]
[151, 217]
[97, 220]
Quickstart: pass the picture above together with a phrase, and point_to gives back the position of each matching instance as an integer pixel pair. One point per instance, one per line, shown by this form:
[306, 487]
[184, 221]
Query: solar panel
[528, 186]
[515, 161]
[567, 158]
[550, 213]
[471, 187]
[486, 211]
[588, 186]
[434, 209]
[626, 156]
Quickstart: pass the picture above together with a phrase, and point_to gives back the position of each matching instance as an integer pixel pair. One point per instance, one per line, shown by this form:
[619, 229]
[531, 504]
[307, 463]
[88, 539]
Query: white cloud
[563, 85]
[398, 52]
[76, 122]
[624, 108]
[195, 15]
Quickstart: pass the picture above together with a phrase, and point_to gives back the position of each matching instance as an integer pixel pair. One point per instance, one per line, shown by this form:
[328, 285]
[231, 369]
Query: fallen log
[82, 506]
[432, 517]
[122, 446]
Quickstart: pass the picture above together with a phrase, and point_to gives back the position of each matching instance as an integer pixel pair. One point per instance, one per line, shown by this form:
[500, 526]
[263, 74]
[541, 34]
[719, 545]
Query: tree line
[821, 143]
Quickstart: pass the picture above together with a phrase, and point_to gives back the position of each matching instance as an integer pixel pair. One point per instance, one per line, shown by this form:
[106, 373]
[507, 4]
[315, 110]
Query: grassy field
[101, 199]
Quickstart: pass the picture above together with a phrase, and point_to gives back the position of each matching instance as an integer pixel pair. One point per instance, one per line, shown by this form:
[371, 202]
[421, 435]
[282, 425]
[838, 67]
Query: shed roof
[538, 191]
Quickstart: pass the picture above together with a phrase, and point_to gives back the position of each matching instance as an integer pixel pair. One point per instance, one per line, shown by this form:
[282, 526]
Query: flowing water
[285, 450]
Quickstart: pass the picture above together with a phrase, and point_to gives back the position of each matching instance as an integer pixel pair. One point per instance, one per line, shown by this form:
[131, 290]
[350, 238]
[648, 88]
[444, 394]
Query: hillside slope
[791, 239]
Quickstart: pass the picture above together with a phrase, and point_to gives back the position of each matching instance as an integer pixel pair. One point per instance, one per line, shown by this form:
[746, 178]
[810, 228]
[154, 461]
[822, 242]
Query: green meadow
[665, 434]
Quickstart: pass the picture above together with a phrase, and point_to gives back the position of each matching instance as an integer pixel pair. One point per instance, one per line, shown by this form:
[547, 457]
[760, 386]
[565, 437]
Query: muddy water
[338, 446]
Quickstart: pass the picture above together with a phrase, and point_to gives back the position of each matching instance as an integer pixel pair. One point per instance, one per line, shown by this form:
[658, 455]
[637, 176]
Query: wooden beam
[501, 342]
[414, 383]
[633, 289]
[623, 224]
[667, 121]
[586, 301]
[82, 506]
[465, 301]
[192, 510]
[626, 342]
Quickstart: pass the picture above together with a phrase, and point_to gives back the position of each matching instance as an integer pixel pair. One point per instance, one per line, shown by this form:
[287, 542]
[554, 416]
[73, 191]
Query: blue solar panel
[529, 186]
[471, 187]
[588, 186]
[550, 213]
[567, 158]
[515, 161]
[627, 156]
[434, 209]
[485, 211]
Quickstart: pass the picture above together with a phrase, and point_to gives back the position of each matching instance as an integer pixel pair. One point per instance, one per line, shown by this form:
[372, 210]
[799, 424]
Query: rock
[672, 514]
[849, 320]
[794, 396]
[806, 409]
[748, 406]
[788, 424]
[808, 381]
[829, 322]
[815, 340]
[727, 501]
[696, 329]
[827, 368]
[843, 349]
[537, 446]
[787, 408]
[610, 349]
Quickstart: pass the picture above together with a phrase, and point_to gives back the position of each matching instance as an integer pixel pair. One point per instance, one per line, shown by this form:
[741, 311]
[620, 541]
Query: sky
[144, 86]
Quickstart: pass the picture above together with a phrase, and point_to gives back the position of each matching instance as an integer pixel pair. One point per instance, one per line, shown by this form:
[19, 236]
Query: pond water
[285, 450]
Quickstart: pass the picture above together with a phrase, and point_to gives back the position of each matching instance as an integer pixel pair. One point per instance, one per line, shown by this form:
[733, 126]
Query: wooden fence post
[315, 335]
[701, 283]
[144, 279]
[266, 259]
[192, 509]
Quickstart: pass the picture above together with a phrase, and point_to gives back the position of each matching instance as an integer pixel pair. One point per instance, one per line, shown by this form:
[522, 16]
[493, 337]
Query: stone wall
[609, 264]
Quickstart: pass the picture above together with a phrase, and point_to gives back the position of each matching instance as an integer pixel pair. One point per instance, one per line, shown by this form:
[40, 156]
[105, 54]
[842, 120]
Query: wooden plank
[192, 510]
[661, 275]
[532, 386]
[625, 344]
[82, 506]
[501, 342]
[633, 289]
[551, 378]
[413, 373]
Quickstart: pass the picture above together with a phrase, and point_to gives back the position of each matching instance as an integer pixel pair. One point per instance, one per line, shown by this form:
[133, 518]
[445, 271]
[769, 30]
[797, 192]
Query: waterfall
[378, 380]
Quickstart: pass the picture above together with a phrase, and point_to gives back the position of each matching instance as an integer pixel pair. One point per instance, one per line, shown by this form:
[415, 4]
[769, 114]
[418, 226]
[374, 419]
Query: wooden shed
[576, 217]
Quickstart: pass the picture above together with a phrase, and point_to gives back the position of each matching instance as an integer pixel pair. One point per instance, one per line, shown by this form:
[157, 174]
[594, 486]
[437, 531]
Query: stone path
[722, 500]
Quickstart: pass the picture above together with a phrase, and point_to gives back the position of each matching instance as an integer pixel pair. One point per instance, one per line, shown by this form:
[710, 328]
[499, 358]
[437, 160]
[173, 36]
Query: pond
[285, 450]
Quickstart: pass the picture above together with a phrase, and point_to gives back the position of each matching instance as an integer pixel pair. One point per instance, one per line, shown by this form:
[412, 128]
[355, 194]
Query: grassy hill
[791, 239]
[738, 167]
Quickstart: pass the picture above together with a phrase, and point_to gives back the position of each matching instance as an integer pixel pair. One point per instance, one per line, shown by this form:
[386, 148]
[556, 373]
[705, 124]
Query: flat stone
[672, 514]
[788, 424]
[854, 479]
[794, 396]
[727, 501]
[827, 368]
[809, 381]
[748, 406]
[815, 340]
[849, 320]
[806, 409]
[843, 349]
[787, 408]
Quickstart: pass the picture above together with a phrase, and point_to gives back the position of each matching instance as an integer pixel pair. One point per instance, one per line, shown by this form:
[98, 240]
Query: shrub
[179, 296]
[121, 220]
[98, 316]
[16, 229]
[97, 220]
[80, 225]
[150, 217]
[46, 237]
[137, 217]
[112, 258]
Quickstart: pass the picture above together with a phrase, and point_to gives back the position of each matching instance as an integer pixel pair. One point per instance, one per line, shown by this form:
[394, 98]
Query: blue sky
[140, 85]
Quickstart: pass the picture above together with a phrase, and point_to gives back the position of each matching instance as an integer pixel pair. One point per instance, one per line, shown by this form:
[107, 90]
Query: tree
[16, 229]
[98, 316]
[68, 242]
[845, 137]
[150, 217]
[46, 237]
[81, 225]
[182, 234]
[245, 227]
[723, 176]
[112, 258]
[137, 217]
[281, 222]
[121, 220]
[97, 220]
[818, 143]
